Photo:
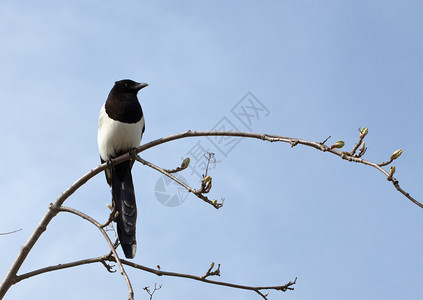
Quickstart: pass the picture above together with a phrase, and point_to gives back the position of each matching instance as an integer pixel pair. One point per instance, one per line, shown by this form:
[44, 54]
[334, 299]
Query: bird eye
[126, 84]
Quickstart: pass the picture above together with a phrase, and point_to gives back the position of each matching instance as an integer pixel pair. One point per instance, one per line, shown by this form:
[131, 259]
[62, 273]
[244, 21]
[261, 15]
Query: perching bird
[120, 128]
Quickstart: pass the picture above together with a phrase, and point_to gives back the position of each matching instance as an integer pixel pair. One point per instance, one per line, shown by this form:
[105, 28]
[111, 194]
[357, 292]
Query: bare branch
[111, 218]
[41, 227]
[10, 232]
[158, 272]
[272, 138]
[360, 140]
[197, 192]
[53, 209]
[325, 140]
[210, 158]
[151, 293]
[101, 259]
[212, 273]
[385, 163]
[112, 247]
[395, 182]
[183, 166]
[108, 267]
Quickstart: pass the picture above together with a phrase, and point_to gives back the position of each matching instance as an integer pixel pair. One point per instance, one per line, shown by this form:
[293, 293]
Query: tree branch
[112, 247]
[212, 273]
[101, 259]
[111, 258]
[41, 227]
[196, 192]
[61, 266]
[10, 232]
[54, 207]
[151, 293]
[275, 138]
[282, 288]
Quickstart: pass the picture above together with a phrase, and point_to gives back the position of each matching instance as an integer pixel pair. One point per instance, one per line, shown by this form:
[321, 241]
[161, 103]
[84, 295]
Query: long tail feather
[124, 201]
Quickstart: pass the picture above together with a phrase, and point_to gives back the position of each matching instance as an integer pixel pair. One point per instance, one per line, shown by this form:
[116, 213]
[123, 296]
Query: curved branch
[108, 257]
[276, 138]
[112, 248]
[101, 259]
[10, 232]
[41, 227]
[60, 267]
[282, 288]
[54, 207]
[196, 192]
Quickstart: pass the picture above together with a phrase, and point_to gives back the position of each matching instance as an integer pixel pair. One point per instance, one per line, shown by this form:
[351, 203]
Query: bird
[121, 125]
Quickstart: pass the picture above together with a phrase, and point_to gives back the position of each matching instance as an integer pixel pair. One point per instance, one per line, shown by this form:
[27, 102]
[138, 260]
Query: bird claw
[133, 153]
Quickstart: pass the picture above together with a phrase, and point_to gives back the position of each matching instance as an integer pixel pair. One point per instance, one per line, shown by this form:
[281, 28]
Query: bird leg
[133, 154]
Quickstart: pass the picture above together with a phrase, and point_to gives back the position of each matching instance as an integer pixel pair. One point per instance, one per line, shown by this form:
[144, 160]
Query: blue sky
[321, 69]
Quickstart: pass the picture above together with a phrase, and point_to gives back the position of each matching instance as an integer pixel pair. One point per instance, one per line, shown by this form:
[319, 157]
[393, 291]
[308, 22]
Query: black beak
[140, 86]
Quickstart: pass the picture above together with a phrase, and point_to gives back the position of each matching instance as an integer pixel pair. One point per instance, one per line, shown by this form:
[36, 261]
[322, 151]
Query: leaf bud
[338, 144]
[392, 170]
[364, 131]
[396, 154]
[185, 163]
[207, 184]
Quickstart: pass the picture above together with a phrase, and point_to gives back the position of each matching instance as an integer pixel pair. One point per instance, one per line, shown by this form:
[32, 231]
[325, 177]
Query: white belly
[114, 136]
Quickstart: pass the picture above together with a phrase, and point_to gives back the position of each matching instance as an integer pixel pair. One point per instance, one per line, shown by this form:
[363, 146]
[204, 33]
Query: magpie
[120, 128]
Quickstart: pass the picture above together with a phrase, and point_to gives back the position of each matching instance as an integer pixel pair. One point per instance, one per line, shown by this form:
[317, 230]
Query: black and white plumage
[120, 128]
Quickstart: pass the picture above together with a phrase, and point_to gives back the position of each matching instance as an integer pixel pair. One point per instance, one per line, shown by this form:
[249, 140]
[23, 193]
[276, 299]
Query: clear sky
[318, 68]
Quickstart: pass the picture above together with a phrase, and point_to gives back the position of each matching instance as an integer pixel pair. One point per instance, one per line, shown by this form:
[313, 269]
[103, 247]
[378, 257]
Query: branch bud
[207, 183]
[338, 144]
[212, 265]
[109, 206]
[185, 163]
[364, 131]
[214, 202]
[392, 171]
[396, 154]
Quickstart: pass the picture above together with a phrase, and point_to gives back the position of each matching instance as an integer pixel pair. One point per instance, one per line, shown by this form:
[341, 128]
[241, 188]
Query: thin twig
[196, 192]
[183, 166]
[212, 273]
[385, 163]
[111, 258]
[325, 140]
[151, 293]
[360, 140]
[111, 218]
[60, 267]
[10, 232]
[209, 156]
[282, 288]
[395, 182]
